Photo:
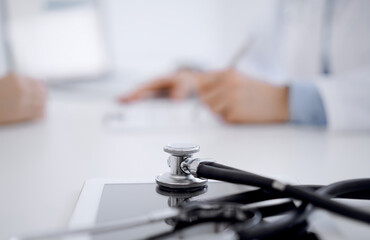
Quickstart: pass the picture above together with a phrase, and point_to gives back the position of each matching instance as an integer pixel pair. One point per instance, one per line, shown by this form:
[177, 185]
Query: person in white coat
[308, 63]
[21, 98]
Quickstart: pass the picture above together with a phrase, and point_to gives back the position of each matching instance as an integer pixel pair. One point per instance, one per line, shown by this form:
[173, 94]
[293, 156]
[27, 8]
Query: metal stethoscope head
[182, 176]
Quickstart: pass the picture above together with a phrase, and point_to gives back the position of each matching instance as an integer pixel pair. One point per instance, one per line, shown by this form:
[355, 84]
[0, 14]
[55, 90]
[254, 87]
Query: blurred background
[63, 40]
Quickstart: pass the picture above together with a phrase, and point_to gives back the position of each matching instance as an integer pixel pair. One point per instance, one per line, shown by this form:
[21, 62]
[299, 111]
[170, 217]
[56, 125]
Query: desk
[44, 164]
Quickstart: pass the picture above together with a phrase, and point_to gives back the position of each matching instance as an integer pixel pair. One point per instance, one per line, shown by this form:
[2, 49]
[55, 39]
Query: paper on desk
[159, 114]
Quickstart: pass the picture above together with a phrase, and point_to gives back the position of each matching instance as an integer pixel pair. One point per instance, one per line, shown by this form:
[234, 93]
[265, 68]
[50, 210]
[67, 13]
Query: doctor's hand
[21, 99]
[176, 86]
[240, 99]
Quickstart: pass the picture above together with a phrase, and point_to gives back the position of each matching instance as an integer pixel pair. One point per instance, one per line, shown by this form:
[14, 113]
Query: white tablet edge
[86, 210]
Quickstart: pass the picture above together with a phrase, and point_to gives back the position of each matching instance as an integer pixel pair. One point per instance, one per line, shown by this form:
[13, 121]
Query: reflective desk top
[43, 164]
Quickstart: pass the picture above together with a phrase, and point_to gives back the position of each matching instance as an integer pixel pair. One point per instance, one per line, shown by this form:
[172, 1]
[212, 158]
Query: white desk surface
[44, 164]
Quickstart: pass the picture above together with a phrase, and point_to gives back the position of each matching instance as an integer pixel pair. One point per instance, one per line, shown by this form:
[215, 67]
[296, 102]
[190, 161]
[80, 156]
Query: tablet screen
[122, 201]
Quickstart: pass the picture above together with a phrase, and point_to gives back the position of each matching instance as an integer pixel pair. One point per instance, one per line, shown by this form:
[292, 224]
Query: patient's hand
[178, 85]
[240, 99]
[21, 99]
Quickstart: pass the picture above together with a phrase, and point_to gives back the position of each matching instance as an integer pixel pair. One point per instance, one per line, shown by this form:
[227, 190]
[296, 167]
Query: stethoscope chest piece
[177, 178]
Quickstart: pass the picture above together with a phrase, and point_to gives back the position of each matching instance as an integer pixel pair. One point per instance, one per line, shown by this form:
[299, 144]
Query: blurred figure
[21, 99]
[310, 64]
[235, 97]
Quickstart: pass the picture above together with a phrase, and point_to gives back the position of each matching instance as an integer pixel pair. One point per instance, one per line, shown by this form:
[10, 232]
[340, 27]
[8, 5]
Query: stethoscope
[188, 177]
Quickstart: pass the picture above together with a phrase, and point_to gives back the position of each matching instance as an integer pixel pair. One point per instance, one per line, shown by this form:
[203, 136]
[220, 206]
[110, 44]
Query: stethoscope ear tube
[321, 200]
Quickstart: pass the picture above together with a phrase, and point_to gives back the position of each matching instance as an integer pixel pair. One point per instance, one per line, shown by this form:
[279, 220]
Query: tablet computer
[106, 200]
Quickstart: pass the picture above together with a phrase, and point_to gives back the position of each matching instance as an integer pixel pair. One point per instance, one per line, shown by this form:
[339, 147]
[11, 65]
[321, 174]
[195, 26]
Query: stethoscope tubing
[216, 172]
